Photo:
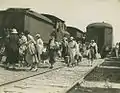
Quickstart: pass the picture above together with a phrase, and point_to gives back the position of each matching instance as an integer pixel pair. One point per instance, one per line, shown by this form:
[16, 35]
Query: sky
[76, 13]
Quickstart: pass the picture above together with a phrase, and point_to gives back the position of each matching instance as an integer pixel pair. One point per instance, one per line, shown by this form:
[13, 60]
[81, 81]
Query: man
[65, 53]
[72, 50]
[95, 47]
[83, 40]
[5, 42]
[13, 48]
[92, 51]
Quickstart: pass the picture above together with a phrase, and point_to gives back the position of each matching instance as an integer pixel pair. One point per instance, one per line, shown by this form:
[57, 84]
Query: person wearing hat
[39, 46]
[72, 45]
[13, 48]
[31, 55]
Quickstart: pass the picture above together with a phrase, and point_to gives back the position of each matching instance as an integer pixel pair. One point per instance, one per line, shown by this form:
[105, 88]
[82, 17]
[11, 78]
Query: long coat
[52, 51]
[65, 49]
[72, 50]
[31, 55]
[13, 49]
[39, 46]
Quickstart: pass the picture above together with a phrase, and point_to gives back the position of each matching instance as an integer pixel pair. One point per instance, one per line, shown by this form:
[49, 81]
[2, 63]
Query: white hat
[71, 38]
[38, 35]
[65, 38]
[14, 31]
[92, 41]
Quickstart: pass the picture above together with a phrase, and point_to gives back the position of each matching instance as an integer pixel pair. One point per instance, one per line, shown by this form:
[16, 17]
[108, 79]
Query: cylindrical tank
[102, 33]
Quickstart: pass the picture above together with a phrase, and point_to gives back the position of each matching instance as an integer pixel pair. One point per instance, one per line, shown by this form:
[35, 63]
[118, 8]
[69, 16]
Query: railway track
[81, 80]
[31, 76]
[13, 86]
[53, 81]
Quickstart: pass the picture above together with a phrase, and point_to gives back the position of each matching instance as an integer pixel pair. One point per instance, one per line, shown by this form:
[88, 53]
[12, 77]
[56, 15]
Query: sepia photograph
[59, 46]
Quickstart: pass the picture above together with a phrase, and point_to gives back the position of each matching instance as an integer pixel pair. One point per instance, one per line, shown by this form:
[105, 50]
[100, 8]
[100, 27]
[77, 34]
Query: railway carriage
[59, 26]
[25, 19]
[102, 33]
[75, 32]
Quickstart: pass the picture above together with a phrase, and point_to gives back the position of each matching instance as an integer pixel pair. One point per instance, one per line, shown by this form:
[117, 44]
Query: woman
[52, 51]
[31, 55]
[22, 48]
[39, 46]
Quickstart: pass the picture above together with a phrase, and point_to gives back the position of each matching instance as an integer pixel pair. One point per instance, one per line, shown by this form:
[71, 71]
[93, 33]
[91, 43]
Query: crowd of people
[26, 50]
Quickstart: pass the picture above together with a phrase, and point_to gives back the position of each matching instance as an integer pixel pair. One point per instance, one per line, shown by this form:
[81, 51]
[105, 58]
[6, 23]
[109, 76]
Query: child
[44, 55]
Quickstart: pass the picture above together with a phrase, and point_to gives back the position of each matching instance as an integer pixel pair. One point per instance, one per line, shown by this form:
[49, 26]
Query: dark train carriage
[1, 19]
[75, 32]
[102, 33]
[59, 26]
[25, 19]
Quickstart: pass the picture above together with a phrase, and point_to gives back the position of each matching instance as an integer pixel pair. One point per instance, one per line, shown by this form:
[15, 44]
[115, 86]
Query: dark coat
[65, 49]
[13, 49]
[52, 52]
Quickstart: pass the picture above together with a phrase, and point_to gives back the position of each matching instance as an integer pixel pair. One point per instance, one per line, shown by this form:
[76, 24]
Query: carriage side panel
[38, 26]
[108, 37]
